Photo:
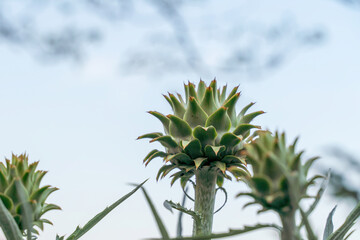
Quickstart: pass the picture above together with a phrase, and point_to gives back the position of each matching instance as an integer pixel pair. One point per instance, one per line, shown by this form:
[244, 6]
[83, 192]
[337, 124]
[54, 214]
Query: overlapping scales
[279, 178]
[19, 178]
[204, 130]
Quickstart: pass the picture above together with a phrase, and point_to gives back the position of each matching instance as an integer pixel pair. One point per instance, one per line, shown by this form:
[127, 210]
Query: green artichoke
[279, 178]
[19, 178]
[203, 132]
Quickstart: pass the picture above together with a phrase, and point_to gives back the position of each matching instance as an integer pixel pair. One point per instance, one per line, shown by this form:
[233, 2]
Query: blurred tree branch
[341, 185]
[249, 48]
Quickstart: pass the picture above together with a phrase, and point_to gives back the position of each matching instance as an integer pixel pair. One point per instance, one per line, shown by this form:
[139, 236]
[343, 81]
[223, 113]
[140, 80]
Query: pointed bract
[194, 114]
[179, 128]
[219, 120]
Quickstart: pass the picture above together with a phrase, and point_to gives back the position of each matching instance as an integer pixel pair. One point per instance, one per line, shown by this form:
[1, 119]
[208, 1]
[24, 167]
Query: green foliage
[279, 180]
[22, 194]
[156, 215]
[8, 224]
[342, 232]
[20, 183]
[79, 232]
[204, 130]
[230, 233]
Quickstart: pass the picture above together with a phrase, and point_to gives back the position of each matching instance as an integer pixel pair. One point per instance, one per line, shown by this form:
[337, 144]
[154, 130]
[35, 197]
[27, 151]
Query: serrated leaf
[167, 205]
[79, 232]
[178, 207]
[156, 215]
[232, 232]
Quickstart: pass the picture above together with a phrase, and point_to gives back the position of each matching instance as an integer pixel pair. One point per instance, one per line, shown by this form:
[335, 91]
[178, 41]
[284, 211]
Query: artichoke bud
[279, 179]
[19, 178]
[204, 127]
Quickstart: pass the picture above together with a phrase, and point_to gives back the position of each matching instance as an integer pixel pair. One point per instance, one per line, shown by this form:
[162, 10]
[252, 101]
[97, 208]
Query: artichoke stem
[289, 231]
[204, 200]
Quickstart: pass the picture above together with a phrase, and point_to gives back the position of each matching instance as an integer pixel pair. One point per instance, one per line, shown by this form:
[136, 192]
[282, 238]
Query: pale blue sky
[81, 120]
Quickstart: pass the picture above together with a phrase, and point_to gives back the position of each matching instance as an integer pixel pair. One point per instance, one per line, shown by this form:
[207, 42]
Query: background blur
[76, 80]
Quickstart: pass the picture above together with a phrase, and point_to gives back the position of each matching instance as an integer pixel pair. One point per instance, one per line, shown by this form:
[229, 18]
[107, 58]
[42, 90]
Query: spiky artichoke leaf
[150, 135]
[163, 119]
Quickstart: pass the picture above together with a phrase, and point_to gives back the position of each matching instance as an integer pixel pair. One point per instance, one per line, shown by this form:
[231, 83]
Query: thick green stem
[289, 231]
[204, 200]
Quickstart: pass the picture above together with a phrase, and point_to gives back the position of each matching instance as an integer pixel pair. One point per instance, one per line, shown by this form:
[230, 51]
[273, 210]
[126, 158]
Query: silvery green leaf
[8, 224]
[341, 232]
[79, 232]
[167, 205]
[329, 227]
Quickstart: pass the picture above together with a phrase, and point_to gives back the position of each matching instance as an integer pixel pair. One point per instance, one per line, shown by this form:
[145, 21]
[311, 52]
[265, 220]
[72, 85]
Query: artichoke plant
[203, 137]
[20, 186]
[279, 180]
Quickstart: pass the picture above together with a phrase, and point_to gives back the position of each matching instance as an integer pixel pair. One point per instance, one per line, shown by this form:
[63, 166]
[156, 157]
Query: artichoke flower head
[279, 178]
[204, 131]
[20, 186]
